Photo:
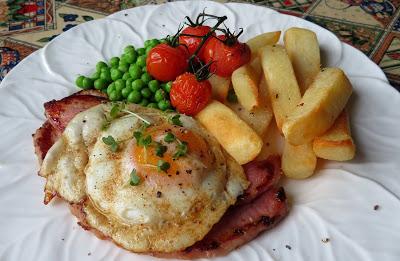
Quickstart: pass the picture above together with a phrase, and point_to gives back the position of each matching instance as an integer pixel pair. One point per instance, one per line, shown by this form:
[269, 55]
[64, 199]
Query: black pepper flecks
[189, 171]
[288, 247]
[276, 96]
[238, 231]
[325, 240]
[280, 194]
[266, 220]
[376, 207]
[177, 172]
[159, 194]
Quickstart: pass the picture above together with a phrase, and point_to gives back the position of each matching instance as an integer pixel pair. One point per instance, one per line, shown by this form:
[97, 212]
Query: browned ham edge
[239, 225]
[43, 139]
[59, 113]
[262, 175]
[260, 208]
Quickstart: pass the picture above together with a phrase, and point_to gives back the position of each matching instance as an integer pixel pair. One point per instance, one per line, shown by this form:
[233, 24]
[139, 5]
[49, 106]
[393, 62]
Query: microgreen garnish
[135, 179]
[169, 137]
[137, 116]
[137, 135]
[110, 141]
[162, 165]
[181, 150]
[232, 98]
[176, 120]
[114, 111]
[160, 149]
[105, 125]
[145, 141]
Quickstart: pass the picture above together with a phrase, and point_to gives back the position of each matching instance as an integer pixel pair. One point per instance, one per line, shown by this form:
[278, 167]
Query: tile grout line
[311, 8]
[387, 31]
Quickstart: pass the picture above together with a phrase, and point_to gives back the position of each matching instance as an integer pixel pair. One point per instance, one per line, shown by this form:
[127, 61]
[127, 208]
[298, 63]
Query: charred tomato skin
[189, 95]
[226, 58]
[165, 62]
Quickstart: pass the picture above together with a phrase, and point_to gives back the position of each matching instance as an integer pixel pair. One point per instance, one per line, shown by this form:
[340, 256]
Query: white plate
[337, 203]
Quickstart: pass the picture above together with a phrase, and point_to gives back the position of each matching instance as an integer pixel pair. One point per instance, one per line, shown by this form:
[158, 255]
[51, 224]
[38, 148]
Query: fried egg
[167, 209]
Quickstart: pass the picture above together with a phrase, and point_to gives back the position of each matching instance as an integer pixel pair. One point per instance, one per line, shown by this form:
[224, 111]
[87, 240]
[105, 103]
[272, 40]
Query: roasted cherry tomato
[165, 62]
[189, 95]
[192, 42]
[226, 56]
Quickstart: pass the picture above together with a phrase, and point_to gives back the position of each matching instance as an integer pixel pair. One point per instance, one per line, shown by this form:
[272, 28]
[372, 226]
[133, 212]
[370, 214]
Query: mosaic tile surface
[372, 26]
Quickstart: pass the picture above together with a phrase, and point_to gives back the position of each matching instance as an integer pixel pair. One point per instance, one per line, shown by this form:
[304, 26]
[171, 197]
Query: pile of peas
[125, 79]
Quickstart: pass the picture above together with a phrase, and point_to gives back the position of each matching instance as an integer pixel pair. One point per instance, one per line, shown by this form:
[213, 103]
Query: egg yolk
[198, 153]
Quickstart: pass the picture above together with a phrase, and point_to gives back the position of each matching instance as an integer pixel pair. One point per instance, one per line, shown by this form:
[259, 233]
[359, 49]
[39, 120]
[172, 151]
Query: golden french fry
[258, 119]
[245, 84]
[256, 65]
[283, 89]
[263, 95]
[234, 135]
[298, 162]
[220, 87]
[273, 142]
[261, 40]
[303, 50]
[320, 106]
[337, 143]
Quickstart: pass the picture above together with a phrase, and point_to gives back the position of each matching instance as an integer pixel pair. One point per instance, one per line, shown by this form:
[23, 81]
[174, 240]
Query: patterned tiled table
[372, 26]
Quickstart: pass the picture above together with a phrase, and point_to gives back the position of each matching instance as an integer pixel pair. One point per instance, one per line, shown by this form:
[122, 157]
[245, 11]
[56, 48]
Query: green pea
[87, 83]
[144, 102]
[115, 74]
[146, 78]
[126, 76]
[168, 86]
[153, 85]
[79, 81]
[126, 91]
[114, 62]
[95, 75]
[105, 75]
[148, 49]
[115, 95]
[141, 51]
[128, 82]
[146, 92]
[164, 104]
[110, 88]
[100, 65]
[147, 43]
[105, 69]
[159, 95]
[154, 42]
[119, 84]
[123, 67]
[135, 71]
[141, 61]
[137, 85]
[134, 97]
[152, 105]
[129, 57]
[129, 48]
[100, 84]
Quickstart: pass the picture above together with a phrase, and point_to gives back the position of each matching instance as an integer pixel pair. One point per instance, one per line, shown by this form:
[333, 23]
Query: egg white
[166, 211]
